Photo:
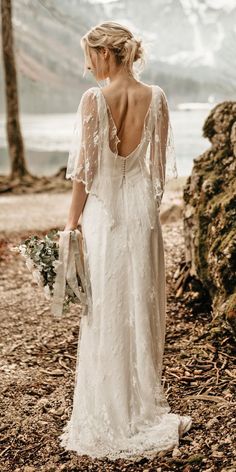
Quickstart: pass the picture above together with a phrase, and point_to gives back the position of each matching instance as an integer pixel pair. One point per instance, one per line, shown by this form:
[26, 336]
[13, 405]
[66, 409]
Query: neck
[121, 75]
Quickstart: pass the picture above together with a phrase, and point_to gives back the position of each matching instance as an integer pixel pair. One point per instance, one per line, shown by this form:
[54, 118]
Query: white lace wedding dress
[119, 406]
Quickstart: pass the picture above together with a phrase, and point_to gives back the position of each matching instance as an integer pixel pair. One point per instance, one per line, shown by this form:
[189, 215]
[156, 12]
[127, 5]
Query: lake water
[47, 140]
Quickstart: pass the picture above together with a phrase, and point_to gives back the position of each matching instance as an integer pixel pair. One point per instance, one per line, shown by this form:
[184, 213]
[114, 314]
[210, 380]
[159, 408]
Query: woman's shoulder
[90, 92]
[161, 100]
[89, 97]
[159, 90]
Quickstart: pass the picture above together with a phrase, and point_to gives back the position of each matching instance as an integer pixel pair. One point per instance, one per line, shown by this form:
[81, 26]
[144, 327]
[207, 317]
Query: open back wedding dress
[119, 406]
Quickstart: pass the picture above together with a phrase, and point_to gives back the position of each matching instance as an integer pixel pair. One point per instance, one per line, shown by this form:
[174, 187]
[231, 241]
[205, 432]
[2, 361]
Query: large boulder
[210, 214]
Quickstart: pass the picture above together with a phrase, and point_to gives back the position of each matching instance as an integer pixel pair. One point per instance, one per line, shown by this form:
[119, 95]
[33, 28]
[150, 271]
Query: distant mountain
[190, 48]
[195, 40]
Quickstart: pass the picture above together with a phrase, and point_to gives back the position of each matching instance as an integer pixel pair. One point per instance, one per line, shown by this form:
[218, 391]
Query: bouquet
[58, 266]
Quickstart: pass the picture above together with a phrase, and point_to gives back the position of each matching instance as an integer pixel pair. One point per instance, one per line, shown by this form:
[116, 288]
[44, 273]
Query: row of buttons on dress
[124, 164]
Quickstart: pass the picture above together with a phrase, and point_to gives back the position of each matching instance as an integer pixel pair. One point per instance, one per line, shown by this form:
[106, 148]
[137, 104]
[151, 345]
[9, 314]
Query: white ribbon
[70, 263]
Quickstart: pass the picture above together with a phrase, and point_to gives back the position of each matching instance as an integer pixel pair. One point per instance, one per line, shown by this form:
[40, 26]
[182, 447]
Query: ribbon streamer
[70, 264]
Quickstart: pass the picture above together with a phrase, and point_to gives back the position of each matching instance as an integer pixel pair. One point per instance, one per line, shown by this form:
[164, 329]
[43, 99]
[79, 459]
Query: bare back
[128, 107]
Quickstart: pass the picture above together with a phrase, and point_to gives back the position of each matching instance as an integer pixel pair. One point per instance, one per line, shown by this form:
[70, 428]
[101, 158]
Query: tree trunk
[14, 136]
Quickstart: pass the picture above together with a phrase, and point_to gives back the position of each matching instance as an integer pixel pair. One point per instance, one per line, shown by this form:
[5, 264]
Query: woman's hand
[70, 227]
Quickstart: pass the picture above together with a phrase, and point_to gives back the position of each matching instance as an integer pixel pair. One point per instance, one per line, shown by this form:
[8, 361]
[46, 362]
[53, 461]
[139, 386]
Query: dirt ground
[46, 209]
[37, 368]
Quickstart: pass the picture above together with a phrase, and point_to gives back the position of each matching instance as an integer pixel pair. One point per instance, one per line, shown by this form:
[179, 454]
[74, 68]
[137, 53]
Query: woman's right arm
[83, 156]
[78, 199]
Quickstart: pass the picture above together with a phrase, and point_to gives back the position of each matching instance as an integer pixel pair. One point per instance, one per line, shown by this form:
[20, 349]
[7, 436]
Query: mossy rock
[210, 212]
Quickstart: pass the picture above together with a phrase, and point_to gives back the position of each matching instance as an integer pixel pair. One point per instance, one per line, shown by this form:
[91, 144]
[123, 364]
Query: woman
[119, 161]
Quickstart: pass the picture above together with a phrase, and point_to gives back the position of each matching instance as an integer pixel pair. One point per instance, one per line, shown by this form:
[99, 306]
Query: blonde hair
[119, 39]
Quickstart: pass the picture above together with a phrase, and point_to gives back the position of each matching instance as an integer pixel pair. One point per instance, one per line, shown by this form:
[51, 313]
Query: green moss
[213, 198]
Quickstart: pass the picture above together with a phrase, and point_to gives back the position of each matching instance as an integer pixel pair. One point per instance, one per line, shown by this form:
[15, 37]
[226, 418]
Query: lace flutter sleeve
[83, 154]
[162, 159]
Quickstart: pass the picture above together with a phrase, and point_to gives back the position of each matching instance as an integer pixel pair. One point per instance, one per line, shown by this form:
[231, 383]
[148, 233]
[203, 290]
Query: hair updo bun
[119, 39]
[132, 51]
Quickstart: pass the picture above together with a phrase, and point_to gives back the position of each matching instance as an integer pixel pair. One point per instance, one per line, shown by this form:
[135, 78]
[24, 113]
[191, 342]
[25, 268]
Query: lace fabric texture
[163, 165]
[84, 156]
[119, 406]
[95, 134]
